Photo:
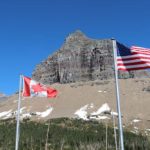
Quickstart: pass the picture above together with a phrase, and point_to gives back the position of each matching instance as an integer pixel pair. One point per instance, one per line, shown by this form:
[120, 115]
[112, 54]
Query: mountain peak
[77, 35]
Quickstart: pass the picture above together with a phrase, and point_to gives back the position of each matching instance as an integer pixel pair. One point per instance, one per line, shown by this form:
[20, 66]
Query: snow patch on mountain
[5, 113]
[45, 113]
[104, 108]
[100, 114]
[11, 114]
[26, 115]
[114, 113]
[82, 113]
[136, 120]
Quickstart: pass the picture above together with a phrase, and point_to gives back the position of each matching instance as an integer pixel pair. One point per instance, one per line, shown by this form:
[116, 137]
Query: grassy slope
[66, 134]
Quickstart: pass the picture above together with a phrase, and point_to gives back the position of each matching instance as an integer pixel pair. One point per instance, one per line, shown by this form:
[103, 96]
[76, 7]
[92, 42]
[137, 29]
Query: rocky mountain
[83, 59]
[80, 59]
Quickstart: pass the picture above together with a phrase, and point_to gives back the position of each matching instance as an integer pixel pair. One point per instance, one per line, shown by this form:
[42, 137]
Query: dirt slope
[134, 96]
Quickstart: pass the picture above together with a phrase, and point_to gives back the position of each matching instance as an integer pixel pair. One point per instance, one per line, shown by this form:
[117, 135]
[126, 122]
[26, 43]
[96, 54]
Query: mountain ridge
[81, 59]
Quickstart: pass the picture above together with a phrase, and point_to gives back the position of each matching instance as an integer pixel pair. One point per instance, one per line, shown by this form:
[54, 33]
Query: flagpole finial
[113, 38]
[21, 75]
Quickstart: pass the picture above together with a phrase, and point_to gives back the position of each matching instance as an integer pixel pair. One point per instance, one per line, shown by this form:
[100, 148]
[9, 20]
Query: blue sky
[30, 30]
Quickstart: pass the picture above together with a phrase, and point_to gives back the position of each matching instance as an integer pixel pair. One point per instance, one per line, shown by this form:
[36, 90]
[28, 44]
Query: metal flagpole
[117, 95]
[106, 134]
[46, 144]
[115, 131]
[18, 114]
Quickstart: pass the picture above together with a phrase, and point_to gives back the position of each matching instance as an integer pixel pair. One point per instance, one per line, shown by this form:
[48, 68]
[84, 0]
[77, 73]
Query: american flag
[134, 58]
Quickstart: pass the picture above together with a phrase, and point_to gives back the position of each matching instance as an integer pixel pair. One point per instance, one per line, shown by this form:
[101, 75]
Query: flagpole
[115, 131]
[106, 134]
[18, 114]
[118, 95]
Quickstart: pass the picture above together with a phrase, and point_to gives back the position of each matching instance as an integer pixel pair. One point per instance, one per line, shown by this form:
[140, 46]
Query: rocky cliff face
[79, 59]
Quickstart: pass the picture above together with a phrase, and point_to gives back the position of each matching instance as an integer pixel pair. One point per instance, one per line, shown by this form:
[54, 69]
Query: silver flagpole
[115, 131]
[117, 94]
[106, 135]
[18, 114]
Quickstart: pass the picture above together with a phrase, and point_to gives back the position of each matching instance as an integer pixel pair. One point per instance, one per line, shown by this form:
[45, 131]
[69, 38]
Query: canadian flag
[33, 88]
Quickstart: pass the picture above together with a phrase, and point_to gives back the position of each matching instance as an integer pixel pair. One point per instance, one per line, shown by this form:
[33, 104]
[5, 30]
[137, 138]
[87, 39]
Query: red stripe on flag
[134, 63]
[131, 69]
[26, 88]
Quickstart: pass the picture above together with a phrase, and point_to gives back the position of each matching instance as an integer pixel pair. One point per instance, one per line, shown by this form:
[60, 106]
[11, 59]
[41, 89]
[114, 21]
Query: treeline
[65, 134]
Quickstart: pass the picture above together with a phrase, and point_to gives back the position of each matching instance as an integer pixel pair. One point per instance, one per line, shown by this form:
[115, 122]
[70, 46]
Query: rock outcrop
[79, 59]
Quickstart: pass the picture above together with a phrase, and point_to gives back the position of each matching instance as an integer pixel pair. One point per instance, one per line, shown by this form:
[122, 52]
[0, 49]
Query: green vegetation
[65, 134]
